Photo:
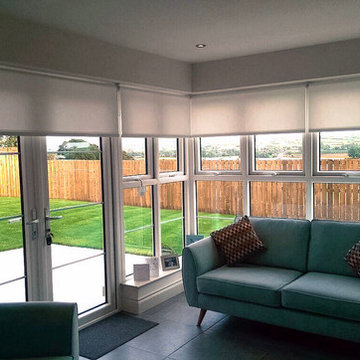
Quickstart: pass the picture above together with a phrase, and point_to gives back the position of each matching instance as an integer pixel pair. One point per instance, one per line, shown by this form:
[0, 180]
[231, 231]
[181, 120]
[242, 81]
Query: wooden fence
[337, 201]
[9, 173]
[81, 180]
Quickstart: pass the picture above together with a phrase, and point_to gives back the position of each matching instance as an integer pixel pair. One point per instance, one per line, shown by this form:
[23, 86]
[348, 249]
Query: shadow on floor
[225, 337]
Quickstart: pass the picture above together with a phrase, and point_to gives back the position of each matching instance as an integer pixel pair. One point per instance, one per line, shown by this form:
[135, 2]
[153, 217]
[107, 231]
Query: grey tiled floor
[224, 337]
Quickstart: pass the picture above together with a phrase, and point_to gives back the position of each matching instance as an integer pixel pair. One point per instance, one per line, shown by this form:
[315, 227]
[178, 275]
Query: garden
[82, 226]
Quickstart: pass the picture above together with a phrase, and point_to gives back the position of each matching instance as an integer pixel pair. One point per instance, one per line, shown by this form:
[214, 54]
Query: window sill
[139, 296]
[162, 274]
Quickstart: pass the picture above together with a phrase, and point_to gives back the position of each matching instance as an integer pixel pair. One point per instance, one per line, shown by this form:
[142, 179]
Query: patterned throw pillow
[353, 257]
[237, 241]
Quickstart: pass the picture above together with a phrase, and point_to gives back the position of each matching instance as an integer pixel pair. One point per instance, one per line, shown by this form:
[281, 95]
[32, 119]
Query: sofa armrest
[198, 258]
[38, 329]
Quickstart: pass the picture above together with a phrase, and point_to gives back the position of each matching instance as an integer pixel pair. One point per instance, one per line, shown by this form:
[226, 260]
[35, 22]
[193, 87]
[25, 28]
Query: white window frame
[252, 159]
[309, 176]
[153, 179]
[39, 255]
[198, 169]
[183, 211]
[316, 162]
[149, 163]
[179, 159]
[139, 184]
[215, 178]
[200, 175]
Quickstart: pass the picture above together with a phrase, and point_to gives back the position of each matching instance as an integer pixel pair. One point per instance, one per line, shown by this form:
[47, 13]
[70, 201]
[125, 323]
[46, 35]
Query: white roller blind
[334, 106]
[249, 112]
[42, 105]
[154, 114]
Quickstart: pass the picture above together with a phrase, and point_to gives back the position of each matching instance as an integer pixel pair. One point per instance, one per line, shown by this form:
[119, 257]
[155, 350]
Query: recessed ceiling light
[200, 46]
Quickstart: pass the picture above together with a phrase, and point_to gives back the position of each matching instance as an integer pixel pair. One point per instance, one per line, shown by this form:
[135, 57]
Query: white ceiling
[171, 28]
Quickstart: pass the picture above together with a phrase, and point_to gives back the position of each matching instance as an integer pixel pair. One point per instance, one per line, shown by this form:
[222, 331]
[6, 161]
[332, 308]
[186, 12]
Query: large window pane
[138, 222]
[90, 289]
[218, 202]
[11, 223]
[13, 291]
[337, 201]
[278, 152]
[75, 194]
[134, 156]
[171, 213]
[220, 153]
[168, 155]
[340, 151]
[278, 199]
[81, 227]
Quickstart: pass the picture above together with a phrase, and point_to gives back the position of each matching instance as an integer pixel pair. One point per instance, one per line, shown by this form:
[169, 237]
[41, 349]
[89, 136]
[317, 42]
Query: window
[172, 217]
[218, 202]
[138, 222]
[12, 251]
[337, 201]
[75, 177]
[278, 199]
[339, 151]
[221, 153]
[278, 152]
[153, 204]
[134, 156]
[168, 155]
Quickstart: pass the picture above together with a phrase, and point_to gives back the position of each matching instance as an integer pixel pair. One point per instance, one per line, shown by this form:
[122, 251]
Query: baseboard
[139, 298]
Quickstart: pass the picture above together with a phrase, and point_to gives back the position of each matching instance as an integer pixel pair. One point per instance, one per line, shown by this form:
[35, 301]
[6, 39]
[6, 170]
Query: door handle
[49, 218]
[15, 220]
[32, 222]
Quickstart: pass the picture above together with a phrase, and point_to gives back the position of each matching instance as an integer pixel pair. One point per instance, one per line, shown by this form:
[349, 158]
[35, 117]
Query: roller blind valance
[334, 106]
[32, 104]
[249, 112]
[146, 113]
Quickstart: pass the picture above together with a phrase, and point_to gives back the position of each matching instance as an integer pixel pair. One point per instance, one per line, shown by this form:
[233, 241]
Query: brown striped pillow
[353, 257]
[237, 241]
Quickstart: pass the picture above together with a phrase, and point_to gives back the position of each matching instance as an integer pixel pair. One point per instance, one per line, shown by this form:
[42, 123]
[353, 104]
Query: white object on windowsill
[154, 266]
[141, 272]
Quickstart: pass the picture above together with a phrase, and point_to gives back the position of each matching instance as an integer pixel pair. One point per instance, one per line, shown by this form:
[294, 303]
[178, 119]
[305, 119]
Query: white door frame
[35, 200]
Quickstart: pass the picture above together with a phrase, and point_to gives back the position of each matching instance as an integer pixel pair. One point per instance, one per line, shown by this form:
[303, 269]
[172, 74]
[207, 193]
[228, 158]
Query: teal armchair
[39, 330]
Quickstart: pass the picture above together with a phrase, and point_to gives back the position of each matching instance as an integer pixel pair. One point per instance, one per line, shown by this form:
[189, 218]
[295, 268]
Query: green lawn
[83, 226]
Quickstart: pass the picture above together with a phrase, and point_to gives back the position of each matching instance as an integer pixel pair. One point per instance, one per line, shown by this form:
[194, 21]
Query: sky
[137, 144]
[53, 142]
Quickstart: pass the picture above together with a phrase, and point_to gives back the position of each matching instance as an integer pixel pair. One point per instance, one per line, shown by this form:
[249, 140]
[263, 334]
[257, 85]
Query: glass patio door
[55, 222]
[12, 250]
[75, 221]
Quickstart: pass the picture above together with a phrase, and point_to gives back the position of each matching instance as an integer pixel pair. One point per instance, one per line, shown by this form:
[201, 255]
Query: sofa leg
[201, 317]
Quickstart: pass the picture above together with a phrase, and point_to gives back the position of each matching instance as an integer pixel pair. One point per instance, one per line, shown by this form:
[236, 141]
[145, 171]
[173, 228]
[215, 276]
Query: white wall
[27, 44]
[319, 61]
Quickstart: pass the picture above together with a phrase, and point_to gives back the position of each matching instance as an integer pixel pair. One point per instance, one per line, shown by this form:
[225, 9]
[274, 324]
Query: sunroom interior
[110, 155]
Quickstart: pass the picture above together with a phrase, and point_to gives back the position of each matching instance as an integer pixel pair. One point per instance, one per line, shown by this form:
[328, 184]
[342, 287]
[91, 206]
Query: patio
[78, 275]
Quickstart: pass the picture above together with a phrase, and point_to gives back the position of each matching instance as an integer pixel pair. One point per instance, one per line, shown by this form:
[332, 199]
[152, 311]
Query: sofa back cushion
[286, 242]
[330, 241]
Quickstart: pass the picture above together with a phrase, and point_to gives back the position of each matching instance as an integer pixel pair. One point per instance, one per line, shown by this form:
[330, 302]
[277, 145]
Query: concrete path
[82, 282]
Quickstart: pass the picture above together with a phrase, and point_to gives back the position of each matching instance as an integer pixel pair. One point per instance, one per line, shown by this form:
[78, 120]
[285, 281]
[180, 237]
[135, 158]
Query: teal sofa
[301, 281]
[39, 330]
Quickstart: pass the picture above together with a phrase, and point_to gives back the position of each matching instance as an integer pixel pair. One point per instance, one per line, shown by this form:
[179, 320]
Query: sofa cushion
[256, 284]
[353, 257]
[332, 240]
[237, 241]
[327, 294]
[286, 243]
